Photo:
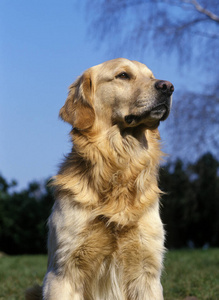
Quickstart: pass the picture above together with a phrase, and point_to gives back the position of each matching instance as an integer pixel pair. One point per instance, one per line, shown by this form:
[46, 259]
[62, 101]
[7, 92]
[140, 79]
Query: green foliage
[190, 209]
[23, 217]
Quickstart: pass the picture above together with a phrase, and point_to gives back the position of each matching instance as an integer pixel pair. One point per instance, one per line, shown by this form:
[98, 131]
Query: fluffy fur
[105, 234]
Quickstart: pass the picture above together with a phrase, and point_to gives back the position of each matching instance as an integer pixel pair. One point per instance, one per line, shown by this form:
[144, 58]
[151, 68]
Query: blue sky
[44, 46]
[43, 49]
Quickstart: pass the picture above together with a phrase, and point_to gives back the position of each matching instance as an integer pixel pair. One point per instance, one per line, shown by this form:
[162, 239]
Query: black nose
[165, 87]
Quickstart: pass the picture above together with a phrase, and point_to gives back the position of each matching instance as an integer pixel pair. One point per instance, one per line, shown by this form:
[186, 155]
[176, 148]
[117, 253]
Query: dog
[106, 238]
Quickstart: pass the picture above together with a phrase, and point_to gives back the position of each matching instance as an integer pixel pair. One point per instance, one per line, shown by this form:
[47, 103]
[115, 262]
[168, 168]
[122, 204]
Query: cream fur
[105, 234]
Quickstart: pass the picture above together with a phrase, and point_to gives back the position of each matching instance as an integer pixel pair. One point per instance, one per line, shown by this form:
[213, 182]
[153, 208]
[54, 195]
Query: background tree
[175, 182]
[23, 217]
[188, 29]
[191, 206]
[203, 214]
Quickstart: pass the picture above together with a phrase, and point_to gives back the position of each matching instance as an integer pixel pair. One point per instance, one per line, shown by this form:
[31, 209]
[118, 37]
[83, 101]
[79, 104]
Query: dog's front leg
[57, 287]
[141, 255]
[77, 249]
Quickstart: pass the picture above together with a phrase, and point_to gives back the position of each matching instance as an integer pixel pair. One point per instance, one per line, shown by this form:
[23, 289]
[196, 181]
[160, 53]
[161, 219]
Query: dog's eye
[123, 75]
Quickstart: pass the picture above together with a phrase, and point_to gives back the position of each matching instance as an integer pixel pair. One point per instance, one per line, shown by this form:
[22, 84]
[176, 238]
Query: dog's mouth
[150, 118]
[160, 112]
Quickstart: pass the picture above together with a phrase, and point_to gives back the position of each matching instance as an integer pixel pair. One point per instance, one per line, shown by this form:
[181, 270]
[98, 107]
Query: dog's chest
[109, 284]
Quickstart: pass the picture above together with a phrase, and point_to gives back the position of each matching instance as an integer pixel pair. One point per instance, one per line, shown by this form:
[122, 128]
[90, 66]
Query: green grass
[19, 272]
[186, 273]
[191, 273]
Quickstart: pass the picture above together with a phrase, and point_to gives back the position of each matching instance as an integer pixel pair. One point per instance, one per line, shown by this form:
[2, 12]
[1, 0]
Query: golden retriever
[105, 234]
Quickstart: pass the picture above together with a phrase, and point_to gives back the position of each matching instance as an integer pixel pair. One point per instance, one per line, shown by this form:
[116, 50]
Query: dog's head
[118, 91]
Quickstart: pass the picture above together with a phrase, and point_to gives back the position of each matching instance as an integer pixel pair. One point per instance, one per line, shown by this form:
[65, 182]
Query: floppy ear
[78, 109]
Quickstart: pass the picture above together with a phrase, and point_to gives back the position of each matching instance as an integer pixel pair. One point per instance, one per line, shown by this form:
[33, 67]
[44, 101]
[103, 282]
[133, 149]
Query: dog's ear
[78, 109]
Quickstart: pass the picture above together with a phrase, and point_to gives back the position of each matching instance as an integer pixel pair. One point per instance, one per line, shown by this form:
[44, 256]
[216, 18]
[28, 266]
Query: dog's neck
[116, 142]
[112, 165]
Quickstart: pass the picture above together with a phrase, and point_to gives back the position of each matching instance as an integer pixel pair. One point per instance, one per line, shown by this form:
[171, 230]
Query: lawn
[191, 273]
[187, 273]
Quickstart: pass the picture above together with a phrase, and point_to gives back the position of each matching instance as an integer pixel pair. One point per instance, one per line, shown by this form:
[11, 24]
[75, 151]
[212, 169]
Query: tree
[204, 217]
[23, 217]
[190, 209]
[175, 184]
[189, 29]
[164, 24]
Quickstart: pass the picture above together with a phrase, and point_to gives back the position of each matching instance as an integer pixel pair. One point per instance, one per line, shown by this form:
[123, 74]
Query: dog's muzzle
[158, 110]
